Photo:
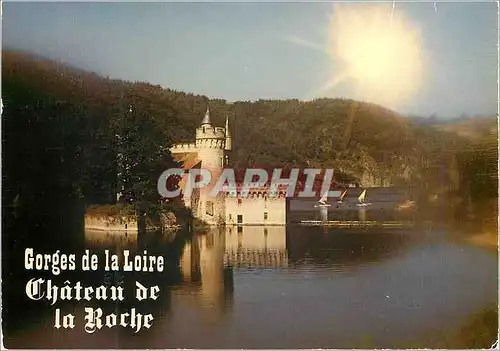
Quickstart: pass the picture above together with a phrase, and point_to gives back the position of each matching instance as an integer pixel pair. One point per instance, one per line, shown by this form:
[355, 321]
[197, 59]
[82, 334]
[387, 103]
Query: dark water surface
[275, 287]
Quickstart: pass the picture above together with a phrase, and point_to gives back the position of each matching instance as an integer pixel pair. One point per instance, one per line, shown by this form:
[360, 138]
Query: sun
[376, 50]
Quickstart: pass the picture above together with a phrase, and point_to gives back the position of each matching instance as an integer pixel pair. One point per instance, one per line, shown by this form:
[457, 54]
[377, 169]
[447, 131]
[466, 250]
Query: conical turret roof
[206, 119]
[228, 132]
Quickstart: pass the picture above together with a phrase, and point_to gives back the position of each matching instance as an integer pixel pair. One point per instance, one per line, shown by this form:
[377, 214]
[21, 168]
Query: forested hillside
[83, 123]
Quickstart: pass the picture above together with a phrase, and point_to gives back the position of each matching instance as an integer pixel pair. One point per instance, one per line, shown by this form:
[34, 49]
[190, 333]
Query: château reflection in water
[203, 272]
[207, 261]
[256, 247]
[211, 257]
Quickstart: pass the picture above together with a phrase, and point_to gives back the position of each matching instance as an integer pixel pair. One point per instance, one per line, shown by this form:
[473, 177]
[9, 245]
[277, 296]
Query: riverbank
[480, 331]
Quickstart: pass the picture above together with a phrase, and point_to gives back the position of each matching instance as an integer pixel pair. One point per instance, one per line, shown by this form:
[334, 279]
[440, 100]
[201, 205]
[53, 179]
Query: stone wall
[111, 223]
[184, 148]
[256, 211]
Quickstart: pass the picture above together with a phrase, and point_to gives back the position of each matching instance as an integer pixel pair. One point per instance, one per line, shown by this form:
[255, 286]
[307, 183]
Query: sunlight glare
[383, 56]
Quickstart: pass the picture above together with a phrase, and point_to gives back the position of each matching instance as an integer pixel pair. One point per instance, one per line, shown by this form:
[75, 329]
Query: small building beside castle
[211, 150]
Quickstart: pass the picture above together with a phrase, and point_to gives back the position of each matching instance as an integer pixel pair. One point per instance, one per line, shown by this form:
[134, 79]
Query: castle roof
[317, 186]
[206, 119]
[228, 132]
[187, 160]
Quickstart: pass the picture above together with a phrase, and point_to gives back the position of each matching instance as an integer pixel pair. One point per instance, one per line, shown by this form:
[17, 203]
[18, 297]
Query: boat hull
[364, 204]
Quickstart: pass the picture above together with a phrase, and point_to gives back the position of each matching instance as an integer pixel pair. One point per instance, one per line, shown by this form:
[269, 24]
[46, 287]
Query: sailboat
[341, 197]
[361, 200]
[322, 201]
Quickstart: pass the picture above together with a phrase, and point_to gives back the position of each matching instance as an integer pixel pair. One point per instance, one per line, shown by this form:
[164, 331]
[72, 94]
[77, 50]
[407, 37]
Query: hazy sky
[243, 51]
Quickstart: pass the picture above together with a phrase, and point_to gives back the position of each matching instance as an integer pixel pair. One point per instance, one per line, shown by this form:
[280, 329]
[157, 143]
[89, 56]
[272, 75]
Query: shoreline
[132, 230]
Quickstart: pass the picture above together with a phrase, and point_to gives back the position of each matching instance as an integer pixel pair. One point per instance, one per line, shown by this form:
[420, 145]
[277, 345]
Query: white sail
[361, 197]
[324, 198]
[322, 201]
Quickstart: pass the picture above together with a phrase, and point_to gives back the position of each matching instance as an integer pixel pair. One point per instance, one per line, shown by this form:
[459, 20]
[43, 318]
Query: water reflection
[105, 240]
[323, 212]
[362, 214]
[256, 247]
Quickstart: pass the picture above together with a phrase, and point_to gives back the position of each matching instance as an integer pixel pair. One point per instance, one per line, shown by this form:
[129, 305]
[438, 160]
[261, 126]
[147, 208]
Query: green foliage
[71, 132]
[199, 226]
[480, 167]
[352, 137]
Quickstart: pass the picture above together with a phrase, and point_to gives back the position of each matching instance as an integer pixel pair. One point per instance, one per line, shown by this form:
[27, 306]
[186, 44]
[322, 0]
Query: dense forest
[88, 137]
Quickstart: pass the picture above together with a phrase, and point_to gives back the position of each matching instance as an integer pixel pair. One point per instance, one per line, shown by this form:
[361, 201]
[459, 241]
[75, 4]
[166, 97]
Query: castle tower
[210, 143]
[211, 151]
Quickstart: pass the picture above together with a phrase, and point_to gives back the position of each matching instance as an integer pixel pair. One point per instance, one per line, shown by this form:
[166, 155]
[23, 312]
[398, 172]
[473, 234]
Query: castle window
[209, 208]
[239, 201]
[265, 215]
